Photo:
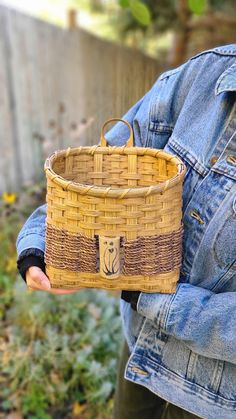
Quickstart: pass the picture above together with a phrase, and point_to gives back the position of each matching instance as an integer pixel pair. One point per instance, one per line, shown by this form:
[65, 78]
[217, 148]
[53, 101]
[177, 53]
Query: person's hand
[37, 280]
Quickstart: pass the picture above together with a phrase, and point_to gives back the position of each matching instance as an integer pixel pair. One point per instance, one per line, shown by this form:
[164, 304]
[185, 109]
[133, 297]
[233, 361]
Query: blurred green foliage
[139, 10]
[198, 7]
[147, 25]
[163, 13]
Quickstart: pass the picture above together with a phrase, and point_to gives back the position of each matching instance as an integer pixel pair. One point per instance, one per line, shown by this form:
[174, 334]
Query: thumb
[38, 276]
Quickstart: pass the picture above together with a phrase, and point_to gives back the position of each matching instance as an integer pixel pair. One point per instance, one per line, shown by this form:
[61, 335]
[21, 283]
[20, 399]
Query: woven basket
[114, 217]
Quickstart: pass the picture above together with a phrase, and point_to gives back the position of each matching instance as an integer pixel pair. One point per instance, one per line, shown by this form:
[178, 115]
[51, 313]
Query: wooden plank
[10, 164]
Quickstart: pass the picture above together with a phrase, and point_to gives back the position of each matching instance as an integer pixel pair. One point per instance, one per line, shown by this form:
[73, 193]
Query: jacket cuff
[29, 241]
[155, 306]
[28, 258]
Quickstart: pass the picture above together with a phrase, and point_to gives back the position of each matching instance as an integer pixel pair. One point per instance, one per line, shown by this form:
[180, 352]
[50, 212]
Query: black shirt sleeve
[30, 257]
[131, 297]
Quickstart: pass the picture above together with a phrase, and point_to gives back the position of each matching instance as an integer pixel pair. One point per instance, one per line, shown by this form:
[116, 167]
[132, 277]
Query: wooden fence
[56, 89]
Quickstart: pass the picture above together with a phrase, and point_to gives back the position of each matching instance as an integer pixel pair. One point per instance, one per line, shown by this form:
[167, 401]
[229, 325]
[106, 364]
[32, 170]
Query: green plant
[140, 11]
[61, 349]
[58, 354]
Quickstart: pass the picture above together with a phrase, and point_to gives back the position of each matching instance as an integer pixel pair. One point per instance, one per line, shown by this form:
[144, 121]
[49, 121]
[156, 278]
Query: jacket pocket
[191, 177]
[158, 135]
[206, 372]
[227, 282]
[224, 246]
[214, 263]
[228, 382]
[175, 356]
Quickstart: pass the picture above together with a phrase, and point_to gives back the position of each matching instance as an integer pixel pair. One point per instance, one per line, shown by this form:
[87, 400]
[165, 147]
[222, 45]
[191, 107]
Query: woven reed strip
[117, 170]
[91, 215]
[165, 282]
[154, 167]
[142, 256]
[153, 255]
[70, 251]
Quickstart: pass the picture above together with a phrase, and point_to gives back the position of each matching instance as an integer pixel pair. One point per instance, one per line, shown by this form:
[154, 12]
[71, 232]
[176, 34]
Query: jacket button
[231, 159]
[139, 371]
[195, 214]
[213, 160]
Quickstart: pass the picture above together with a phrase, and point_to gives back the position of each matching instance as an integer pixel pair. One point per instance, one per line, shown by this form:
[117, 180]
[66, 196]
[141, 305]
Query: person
[179, 357]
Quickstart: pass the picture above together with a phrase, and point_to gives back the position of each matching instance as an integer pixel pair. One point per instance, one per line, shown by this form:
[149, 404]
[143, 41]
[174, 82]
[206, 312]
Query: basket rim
[108, 191]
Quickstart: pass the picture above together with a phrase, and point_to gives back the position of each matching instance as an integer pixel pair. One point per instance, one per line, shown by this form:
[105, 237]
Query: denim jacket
[183, 345]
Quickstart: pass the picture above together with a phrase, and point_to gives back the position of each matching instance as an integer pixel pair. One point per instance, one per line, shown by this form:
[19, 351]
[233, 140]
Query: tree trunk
[180, 43]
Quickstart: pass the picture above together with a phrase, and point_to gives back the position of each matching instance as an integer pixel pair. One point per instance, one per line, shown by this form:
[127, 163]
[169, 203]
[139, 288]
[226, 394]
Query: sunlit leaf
[140, 12]
[124, 3]
[77, 409]
[197, 6]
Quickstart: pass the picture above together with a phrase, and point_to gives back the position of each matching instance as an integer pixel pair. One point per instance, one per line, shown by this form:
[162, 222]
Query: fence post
[72, 19]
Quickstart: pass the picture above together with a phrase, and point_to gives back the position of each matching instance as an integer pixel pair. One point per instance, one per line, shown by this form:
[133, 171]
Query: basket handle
[130, 141]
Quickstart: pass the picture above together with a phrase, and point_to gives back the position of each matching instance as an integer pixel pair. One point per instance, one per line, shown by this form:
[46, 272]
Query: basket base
[164, 283]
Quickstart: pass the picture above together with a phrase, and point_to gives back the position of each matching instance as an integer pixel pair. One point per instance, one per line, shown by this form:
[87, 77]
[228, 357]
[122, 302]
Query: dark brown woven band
[143, 256]
[69, 251]
[153, 254]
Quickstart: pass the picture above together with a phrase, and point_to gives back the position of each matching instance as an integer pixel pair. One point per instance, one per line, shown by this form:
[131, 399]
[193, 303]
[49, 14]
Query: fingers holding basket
[37, 280]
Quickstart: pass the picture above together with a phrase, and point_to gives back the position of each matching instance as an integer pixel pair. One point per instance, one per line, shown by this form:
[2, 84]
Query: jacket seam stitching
[171, 72]
[166, 311]
[159, 127]
[214, 51]
[31, 232]
[174, 144]
[189, 383]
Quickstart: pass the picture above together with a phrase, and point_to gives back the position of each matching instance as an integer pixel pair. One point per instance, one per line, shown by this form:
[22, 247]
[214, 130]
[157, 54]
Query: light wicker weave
[114, 217]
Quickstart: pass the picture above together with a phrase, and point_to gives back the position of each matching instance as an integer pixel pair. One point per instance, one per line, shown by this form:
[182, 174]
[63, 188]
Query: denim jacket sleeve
[32, 234]
[203, 320]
